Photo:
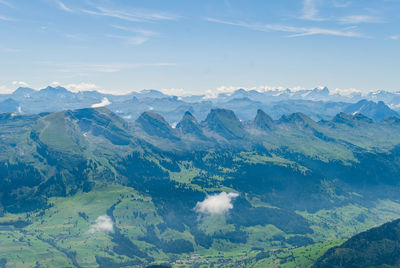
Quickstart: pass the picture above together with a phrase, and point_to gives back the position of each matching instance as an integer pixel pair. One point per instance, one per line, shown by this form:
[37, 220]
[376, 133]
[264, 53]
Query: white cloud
[296, 31]
[176, 91]
[345, 92]
[103, 224]
[211, 94]
[357, 19]
[104, 102]
[20, 84]
[394, 37]
[63, 6]
[55, 84]
[81, 87]
[216, 204]
[5, 90]
[135, 15]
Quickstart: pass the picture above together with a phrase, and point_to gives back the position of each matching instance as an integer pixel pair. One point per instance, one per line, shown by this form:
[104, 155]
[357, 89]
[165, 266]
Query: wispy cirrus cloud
[4, 18]
[136, 36]
[394, 37]
[133, 15]
[6, 3]
[134, 30]
[141, 36]
[304, 31]
[76, 37]
[83, 68]
[310, 11]
[341, 3]
[62, 6]
[293, 30]
[130, 40]
[357, 19]
[5, 49]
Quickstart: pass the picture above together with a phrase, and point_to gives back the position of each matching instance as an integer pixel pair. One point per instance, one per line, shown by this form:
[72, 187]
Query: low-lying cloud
[20, 84]
[103, 224]
[216, 204]
[104, 102]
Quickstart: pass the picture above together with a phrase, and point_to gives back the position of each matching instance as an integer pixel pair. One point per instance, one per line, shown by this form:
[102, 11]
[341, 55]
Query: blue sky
[194, 46]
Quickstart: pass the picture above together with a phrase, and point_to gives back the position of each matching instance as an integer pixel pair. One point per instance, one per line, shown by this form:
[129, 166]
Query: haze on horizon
[180, 46]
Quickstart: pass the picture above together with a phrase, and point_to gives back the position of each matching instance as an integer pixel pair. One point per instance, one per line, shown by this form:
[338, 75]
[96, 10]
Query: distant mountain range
[318, 103]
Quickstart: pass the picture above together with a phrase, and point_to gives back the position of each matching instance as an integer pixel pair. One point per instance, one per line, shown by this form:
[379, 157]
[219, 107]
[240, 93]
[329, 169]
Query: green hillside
[377, 247]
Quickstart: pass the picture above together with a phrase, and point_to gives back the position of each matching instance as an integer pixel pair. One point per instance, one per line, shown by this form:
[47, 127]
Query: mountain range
[318, 103]
[85, 187]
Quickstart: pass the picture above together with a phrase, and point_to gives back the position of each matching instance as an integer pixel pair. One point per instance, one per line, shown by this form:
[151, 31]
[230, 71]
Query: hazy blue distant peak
[376, 110]
[23, 90]
[57, 89]
[317, 103]
[302, 93]
[9, 106]
[150, 93]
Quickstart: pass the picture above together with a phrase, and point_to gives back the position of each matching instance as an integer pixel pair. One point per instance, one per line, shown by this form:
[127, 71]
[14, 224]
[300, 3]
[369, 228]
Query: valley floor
[62, 235]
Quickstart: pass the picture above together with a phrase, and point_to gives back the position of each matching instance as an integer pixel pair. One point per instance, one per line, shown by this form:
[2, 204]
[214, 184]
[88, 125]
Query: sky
[191, 46]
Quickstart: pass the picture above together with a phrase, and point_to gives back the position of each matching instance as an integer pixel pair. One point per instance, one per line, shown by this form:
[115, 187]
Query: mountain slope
[378, 247]
[154, 124]
[225, 123]
[189, 126]
[263, 121]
